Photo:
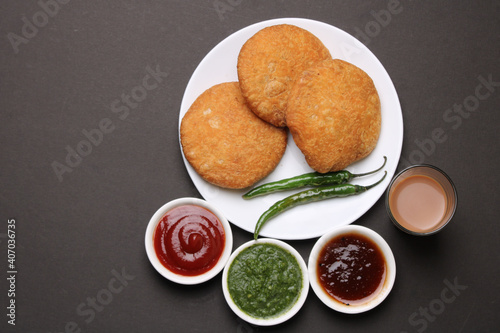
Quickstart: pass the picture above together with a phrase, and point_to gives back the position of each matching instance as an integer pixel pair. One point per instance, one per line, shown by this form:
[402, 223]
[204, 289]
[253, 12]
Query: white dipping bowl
[327, 298]
[183, 279]
[280, 318]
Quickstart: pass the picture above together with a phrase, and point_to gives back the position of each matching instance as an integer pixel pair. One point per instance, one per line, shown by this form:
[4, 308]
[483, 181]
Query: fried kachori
[226, 143]
[334, 115]
[269, 63]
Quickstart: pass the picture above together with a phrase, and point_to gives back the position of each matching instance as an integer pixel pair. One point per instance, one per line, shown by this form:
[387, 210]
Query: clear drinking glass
[421, 200]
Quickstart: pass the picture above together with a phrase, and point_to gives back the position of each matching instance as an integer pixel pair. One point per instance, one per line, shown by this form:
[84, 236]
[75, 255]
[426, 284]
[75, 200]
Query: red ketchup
[189, 240]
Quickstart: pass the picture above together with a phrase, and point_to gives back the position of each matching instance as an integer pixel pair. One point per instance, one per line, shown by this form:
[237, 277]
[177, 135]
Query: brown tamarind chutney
[351, 268]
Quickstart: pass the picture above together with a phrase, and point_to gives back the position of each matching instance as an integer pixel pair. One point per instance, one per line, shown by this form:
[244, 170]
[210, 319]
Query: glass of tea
[421, 200]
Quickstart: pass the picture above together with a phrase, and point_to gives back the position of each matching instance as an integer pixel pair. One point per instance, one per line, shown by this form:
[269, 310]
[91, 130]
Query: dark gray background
[74, 235]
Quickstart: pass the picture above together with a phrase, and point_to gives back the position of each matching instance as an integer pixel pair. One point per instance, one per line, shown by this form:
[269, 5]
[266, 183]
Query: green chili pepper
[308, 179]
[311, 195]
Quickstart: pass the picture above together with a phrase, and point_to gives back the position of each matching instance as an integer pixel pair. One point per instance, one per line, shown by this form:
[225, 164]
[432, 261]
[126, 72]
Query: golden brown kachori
[334, 115]
[269, 63]
[226, 143]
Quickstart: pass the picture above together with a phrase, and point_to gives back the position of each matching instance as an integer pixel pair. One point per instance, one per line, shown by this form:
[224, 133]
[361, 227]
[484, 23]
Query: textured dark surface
[74, 235]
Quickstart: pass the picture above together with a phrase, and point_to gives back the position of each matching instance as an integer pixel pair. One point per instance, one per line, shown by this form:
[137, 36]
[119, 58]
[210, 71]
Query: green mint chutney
[264, 280]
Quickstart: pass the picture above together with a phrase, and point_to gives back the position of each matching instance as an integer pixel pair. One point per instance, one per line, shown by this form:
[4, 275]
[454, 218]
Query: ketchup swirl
[189, 240]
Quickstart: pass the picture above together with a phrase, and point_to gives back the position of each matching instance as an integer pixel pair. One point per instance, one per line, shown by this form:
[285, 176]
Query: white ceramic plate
[311, 220]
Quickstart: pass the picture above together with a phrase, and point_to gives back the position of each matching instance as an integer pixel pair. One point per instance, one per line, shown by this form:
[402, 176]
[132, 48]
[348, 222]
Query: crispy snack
[334, 115]
[226, 143]
[269, 63]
